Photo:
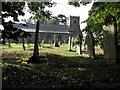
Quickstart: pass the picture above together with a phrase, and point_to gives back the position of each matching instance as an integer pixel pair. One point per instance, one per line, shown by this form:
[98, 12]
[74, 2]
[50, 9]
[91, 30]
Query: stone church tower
[73, 23]
[75, 33]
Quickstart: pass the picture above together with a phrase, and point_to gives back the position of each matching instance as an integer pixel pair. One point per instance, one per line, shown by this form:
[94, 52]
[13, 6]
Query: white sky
[84, 14]
[63, 8]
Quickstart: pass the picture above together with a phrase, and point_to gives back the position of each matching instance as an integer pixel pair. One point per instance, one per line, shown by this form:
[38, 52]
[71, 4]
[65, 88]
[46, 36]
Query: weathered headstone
[70, 44]
[110, 38]
[64, 41]
[72, 41]
[60, 43]
[56, 41]
[79, 44]
[90, 45]
[42, 44]
[51, 42]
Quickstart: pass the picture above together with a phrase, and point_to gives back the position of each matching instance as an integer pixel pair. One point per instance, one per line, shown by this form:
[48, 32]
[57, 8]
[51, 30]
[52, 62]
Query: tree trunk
[35, 57]
[23, 43]
[36, 51]
[56, 41]
[9, 42]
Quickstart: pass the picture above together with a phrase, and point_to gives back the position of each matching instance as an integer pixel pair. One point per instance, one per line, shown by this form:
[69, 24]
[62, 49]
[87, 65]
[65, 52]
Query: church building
[48, 32]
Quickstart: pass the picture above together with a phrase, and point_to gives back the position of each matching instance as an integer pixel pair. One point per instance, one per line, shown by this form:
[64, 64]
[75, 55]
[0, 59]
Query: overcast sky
[62, 7]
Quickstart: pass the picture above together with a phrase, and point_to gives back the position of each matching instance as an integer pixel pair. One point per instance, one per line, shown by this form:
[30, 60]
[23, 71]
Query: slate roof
[46, 28]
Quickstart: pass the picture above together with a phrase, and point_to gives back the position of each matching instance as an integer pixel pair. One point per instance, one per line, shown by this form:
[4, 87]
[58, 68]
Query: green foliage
[62, 19]
[38, 9]
[96, 18]
[53, 20]
[97, 15]
[77, 3]
[11, 9]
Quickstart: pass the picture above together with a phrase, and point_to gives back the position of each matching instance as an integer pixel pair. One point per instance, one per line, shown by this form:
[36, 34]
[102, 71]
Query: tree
[96, 17]
[21, 34]
[11, 9]
[9, 32]
[38, 11]
[53, 20]
[77, 4]
[62, 19]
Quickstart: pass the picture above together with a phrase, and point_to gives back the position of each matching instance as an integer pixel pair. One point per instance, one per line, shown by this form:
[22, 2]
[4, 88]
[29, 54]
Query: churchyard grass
[62, 68]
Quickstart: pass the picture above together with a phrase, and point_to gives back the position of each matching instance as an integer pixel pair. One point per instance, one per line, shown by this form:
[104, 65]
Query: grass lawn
[62, 69]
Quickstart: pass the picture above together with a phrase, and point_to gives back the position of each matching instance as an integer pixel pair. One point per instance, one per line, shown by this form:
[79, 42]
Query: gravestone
[90, 45]
[56, 41]
[79, 44]
[42, 44]
[110, 38]
[60, 43]
[70, 43]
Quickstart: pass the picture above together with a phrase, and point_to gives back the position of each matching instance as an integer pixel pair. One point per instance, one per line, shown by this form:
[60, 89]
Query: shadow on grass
[49, 47]
[61, 72]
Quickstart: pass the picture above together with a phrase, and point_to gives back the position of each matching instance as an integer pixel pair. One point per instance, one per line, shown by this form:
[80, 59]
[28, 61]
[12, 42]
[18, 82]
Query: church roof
[45, 28]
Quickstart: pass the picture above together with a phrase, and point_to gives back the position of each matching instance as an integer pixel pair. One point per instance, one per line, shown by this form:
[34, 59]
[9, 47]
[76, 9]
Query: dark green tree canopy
[12, 9]
[38, 9]
[97, 15]
[62, 19]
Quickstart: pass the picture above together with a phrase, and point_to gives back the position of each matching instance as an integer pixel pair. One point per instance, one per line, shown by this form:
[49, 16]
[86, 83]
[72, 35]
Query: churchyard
[50, 52]
[63, 68]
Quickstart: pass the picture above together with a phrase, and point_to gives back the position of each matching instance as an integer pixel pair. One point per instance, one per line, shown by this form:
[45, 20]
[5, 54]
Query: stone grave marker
[110, 38]
[79, 44]
[70, 43]
[90, 45]
[56, 41]
[42, 44]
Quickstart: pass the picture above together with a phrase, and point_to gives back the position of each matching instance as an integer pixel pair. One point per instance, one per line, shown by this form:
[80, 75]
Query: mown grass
[62, 68]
